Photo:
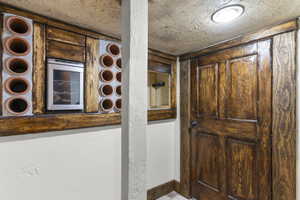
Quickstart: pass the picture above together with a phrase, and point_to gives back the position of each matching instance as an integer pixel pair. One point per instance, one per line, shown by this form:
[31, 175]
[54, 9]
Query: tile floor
[172, 196]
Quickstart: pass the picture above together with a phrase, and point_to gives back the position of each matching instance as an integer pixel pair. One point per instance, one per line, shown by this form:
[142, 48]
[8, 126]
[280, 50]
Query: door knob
[194, 123]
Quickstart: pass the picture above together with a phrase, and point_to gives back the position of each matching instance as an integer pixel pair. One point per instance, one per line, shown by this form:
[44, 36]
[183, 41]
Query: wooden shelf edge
[154, 115]
[54, 122]
[59, 122]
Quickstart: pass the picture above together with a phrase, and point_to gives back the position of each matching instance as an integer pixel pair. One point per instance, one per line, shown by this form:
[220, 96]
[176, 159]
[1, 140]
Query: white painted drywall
[81, 164]
[77, 164]
[177, 128]
[297, 115]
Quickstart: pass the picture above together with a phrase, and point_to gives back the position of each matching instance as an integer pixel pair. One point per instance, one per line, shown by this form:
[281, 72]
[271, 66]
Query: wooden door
[231, 123]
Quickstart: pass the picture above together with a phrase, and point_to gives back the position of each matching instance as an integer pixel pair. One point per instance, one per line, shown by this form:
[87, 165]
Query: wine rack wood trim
[39, 71]
[66, 51]
[52, 122]
[91, 81]
[58, 122]
[65, 36]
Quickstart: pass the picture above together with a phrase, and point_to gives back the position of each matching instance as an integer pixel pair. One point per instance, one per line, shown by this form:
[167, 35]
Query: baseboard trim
[177, 187]
[162, 190]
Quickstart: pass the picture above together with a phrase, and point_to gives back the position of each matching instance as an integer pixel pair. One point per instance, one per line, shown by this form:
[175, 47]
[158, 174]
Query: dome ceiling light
[227, 13]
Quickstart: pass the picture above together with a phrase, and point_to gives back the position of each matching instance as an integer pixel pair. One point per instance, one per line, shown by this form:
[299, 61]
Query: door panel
[207, 90]
[230, 98]
[241, 88]
[208, 149]
[241, 169]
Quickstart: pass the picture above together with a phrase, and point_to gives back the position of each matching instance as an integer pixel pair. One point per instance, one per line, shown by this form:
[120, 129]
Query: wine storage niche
[17, 59]
[30, 41]
[110, 77]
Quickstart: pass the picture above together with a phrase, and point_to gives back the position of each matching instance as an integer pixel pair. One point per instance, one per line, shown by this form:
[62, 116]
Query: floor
[172, 196]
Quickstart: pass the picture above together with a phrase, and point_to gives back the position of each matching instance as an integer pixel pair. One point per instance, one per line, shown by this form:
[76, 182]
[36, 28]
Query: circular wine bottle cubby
[17, 58]
[106, 105]
[17, 105]
[119, 76]
[119, 63]
[16, 66]
[17, 86]
[106, 61]
[110, 76]
[106, 76]
[106, 90]
[119, 90]
[113, 49]
[17, 46]
[118, 105]
[18, 26]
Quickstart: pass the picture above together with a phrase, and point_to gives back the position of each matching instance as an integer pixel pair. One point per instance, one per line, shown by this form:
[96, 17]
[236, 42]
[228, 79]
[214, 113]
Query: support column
[134, 98]
[298, 112]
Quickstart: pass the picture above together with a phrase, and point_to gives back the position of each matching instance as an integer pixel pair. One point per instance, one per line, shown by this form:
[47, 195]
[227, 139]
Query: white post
[298, 113]
[134, 98]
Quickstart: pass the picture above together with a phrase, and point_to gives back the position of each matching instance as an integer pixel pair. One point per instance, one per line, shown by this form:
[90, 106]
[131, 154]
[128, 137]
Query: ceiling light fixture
[227, 13]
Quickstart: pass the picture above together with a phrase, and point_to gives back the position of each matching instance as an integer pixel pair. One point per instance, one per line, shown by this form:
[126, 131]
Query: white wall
[177, 128]
[81, 164]
[297, 115]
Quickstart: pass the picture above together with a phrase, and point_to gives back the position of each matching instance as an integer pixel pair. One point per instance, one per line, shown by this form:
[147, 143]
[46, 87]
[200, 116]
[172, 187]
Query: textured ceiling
[175, 26]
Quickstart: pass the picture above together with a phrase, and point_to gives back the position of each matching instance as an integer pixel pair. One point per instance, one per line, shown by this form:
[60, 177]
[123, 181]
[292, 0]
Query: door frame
[283, 165]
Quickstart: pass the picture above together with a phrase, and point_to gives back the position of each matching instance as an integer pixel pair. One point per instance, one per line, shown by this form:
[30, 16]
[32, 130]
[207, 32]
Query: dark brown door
[231, 121]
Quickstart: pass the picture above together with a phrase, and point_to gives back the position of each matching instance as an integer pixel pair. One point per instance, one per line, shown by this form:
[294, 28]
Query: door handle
[194, 123]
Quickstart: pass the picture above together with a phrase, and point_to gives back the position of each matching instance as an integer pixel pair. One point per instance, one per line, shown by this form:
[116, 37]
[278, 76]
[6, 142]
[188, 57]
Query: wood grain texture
[154, 115]
[184, 127]
[223, 89]
[177, 187]
[265, 33]
[228, 128]
[227, 54]
[1, 64]
[284, 117]
[241, 169]
[208, 90]
[39, 69]
[58, 122]
[208, 149]
[239, 134]
[54, 122]
[161, 190]
[174, 85]
[264, 115]
[65, 36]
[65, 51]
[242, 88]
[91, 75]
[194, 101]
